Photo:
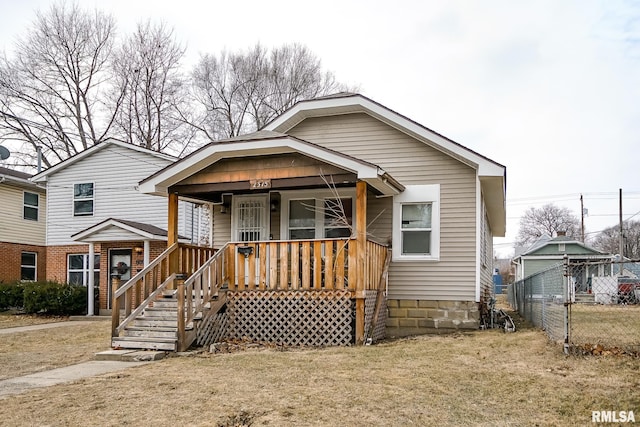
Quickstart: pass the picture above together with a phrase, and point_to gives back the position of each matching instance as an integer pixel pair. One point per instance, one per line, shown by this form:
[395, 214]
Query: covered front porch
[293, 262]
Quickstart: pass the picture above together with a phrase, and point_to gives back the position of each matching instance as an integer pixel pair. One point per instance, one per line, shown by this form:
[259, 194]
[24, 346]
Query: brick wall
[11, 257]
[412, 317]
[137, 263]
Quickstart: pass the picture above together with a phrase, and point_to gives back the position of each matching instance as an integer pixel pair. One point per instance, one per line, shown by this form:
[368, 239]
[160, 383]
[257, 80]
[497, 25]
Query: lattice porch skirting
[313, 318]
[369, 311]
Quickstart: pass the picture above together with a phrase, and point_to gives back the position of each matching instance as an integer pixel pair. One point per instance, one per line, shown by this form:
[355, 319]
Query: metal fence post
[567, 301]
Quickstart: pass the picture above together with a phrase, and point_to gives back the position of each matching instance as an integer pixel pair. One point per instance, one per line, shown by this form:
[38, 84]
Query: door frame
[110, 253]
[266, 217]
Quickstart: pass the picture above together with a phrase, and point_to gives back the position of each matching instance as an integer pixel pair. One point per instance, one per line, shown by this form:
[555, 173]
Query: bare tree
[608, 240]
[147, 67]
[241, 92]
[549, 220]
[51, 91]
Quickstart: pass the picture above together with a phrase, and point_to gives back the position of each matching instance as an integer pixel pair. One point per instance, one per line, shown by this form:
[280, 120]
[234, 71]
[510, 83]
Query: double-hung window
[416, 224]
[83, 198]
[30, 206]
[28, 266]
[302, 219]
[416, 228]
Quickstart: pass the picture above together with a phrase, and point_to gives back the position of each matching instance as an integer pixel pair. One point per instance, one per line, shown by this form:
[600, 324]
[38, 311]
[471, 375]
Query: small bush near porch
[476, 378]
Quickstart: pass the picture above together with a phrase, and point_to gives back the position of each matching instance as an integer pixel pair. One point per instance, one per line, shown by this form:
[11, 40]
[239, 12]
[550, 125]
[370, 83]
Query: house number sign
[260, 184]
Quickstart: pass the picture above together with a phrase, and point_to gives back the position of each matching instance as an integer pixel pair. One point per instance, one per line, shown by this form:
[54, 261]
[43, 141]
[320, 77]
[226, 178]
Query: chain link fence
[592, 307]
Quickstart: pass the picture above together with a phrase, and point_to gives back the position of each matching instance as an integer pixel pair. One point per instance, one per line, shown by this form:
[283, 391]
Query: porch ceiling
[278, 161]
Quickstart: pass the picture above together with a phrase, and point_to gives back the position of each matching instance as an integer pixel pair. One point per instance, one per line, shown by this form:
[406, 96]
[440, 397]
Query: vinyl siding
[115, 172]
[533, 266]
[486, 266]
[221, 227]
[412, 162]
[13, 227]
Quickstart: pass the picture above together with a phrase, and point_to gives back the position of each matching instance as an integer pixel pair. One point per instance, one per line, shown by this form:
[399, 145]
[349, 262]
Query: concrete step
[130, 355]
[168, 344]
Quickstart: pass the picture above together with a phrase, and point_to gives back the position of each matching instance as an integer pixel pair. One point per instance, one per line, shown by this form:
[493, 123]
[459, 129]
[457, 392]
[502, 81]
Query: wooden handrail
[198, 290]
[152, 296]
[140, 291]
[139, 275]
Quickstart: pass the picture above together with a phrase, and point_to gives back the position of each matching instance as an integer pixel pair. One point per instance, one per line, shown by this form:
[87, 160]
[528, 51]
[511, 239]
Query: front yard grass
[476, 378]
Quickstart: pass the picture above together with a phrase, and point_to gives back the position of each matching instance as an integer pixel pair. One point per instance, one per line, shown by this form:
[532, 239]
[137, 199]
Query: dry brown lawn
[609, 325]
[11, 319]
[480, 378]
[34, 351]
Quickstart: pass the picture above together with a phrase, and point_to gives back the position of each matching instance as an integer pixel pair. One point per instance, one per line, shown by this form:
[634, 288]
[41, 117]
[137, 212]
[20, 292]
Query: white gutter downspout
[91, 283]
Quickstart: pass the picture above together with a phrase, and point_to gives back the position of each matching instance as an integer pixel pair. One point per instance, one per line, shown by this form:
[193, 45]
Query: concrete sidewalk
[71, 373]
[106, 362]
[17, 329]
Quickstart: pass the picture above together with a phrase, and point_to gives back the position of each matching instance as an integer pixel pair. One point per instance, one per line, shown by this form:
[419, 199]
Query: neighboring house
[94, 210]
[22, 227]
[547, 252]
[393, 181]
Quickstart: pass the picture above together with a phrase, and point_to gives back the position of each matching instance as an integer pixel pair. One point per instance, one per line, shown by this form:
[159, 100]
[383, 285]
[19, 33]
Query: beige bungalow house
[339, 222]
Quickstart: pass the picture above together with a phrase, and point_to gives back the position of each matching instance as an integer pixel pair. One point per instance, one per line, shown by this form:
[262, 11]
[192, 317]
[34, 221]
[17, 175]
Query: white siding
[115, 172]
[13, 227]
[412, 163]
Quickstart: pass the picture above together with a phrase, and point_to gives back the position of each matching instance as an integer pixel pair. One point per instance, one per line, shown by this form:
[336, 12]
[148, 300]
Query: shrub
[54, 298]
[11, 295]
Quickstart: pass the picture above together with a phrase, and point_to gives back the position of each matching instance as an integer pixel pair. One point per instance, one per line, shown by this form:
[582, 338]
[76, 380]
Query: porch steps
[155, 329]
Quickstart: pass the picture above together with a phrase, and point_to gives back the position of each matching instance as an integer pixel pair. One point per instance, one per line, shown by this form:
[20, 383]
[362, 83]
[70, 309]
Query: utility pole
[621, 242]
[582, 218]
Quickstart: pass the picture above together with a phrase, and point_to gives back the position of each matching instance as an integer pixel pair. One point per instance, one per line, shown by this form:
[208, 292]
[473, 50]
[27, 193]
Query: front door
[119, 264]
[250, 218]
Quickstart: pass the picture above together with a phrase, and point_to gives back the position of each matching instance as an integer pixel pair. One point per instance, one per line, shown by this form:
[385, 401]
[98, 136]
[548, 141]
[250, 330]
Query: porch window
[323, 214]
[302, 219]
[416, 224]
[83, 199]
[78, 269]
[30, 206]
[28, 266]
[338, 217]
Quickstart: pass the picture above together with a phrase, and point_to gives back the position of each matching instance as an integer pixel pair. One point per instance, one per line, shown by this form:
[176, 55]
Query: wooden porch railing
[139, 291]
[196, 295]
[302, 265]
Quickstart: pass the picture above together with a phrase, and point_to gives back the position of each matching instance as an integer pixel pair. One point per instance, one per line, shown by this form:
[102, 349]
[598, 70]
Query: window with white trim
[415, 229]
[30, 206]
[28, 266]
[78, 269]
[83, 197]
[416, 224]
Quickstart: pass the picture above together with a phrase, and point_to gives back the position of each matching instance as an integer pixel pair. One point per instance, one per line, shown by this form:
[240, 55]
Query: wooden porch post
[361, 239]
[172, 231]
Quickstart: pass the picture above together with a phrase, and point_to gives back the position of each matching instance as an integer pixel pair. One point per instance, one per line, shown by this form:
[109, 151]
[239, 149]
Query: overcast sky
[550, 89]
